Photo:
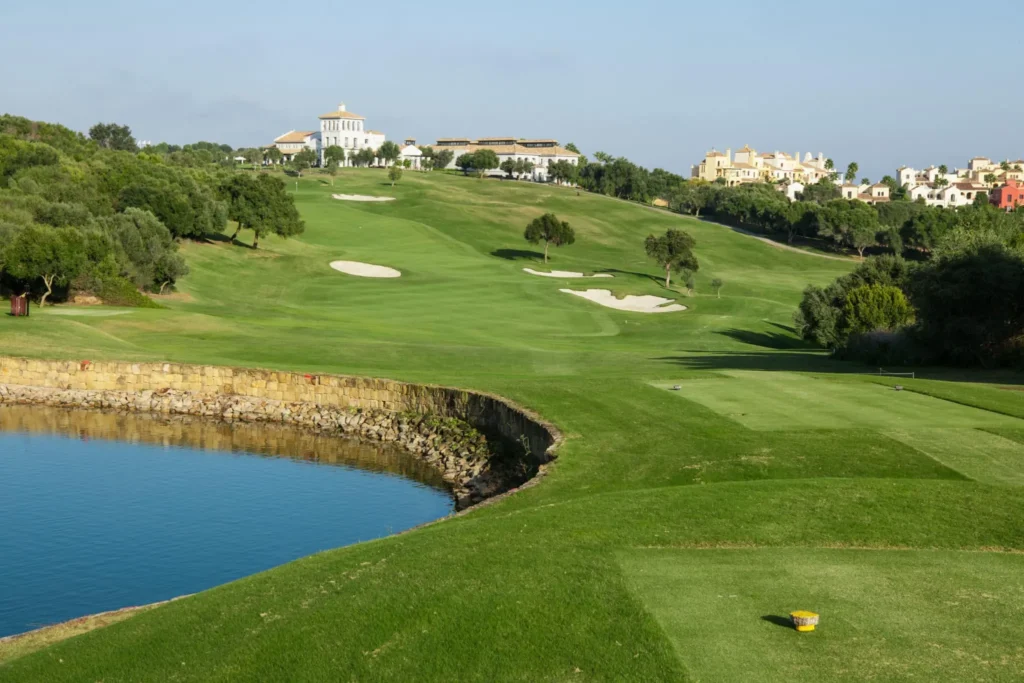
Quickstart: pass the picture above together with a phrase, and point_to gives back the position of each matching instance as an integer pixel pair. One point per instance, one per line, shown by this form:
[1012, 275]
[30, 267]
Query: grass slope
[772, 455]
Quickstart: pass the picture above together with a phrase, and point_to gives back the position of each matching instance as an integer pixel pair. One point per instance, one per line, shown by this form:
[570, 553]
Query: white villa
[345, 129]
[411, 153]
[952, 195]
[870, 194]
[295, 141]
[541, 152]
[748, 166]
[959, 187]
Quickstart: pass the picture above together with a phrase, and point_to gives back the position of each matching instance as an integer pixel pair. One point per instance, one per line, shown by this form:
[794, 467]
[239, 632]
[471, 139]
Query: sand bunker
[564, 273]
[361, 198]
[636, 304]
[364, 269]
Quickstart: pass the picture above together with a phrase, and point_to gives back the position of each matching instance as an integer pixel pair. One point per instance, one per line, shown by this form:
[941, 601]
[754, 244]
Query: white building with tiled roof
[952, 195]
[979, 171]
[542, 152]
[748, 166]
[346, 129]
[294, 141]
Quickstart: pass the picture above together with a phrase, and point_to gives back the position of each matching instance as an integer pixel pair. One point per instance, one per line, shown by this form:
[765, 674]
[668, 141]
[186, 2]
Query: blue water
[88, 526]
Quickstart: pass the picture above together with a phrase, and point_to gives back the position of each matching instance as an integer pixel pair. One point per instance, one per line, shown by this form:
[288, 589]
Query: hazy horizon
[657, 82]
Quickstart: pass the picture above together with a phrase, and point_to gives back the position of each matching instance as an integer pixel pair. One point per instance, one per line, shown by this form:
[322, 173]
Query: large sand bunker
[364, 269]
[563, 273]
[636, 304]
[361, 198]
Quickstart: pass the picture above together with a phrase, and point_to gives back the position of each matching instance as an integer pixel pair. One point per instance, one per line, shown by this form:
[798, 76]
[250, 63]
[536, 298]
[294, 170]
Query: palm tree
[991, 179]
[851, 171]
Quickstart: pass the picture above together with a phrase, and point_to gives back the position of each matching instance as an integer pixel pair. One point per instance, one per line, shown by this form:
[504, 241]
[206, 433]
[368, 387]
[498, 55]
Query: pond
[100, 511]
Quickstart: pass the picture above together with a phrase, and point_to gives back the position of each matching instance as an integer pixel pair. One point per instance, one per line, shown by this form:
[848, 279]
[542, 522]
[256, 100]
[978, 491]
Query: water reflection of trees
[268, 439]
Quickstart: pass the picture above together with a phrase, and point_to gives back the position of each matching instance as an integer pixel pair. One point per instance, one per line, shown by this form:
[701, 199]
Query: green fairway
[727, 613]
[976, 454]
[786, 401]
[598, 573]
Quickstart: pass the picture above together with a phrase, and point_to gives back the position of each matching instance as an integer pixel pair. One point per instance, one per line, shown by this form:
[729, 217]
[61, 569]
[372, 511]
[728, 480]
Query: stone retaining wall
[505, 446]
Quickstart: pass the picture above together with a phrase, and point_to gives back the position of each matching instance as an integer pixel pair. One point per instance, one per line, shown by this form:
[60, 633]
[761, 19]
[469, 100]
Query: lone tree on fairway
[673, 251]
[395, 174]
[716, 285]
[550, 230]
[261, 204]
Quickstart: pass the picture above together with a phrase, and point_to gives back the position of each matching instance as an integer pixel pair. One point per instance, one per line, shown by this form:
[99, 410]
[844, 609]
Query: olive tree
[41, 252]
[673, 251]
[261, 204]
[395, 174]
[550, 230]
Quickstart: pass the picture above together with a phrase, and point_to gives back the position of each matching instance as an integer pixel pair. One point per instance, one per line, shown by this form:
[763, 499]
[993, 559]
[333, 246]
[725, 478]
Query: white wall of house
[348, 133]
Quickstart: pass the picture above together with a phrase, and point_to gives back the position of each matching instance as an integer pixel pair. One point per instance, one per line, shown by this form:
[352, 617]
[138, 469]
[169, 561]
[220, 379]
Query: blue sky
[883, 83]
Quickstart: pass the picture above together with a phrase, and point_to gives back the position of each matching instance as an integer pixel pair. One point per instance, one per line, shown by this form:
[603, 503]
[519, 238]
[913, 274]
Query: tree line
[898, 226]
[963, 307]
[95, 214]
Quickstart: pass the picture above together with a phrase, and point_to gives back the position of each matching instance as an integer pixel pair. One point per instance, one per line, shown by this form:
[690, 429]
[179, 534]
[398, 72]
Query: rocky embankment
[476, 466]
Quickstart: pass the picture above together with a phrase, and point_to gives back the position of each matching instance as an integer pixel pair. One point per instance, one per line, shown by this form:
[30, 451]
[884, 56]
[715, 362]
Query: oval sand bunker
[361, 198]
[563, 273]
[636, 304]
[364, 269]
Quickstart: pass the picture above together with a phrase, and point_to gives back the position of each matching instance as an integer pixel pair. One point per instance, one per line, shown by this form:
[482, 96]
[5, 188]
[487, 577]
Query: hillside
[676, 527]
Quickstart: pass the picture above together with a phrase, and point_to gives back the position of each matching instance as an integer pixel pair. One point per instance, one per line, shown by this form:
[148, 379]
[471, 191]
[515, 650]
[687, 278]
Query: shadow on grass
[516, 254]
[785, 622]
[795, 361]
[212, 237]
[770, 340]
[658, 279]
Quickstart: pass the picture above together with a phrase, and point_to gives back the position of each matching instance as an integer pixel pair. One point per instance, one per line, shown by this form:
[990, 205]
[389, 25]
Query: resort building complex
[294, 141]
[342, 128]
[748, 166]
[541, 152]
[346, 129]
[960, 186]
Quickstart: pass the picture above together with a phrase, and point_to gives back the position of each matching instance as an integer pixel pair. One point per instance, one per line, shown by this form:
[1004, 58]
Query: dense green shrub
[820, 317]
[92, 213]
[875, 308]
[970, 306]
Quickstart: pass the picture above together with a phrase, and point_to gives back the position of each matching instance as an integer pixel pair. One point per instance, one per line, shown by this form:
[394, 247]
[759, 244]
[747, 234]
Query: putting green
[726, 613]
[766, 401]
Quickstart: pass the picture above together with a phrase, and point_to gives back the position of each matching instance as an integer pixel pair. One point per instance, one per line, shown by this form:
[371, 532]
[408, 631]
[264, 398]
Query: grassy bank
[673, 520]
